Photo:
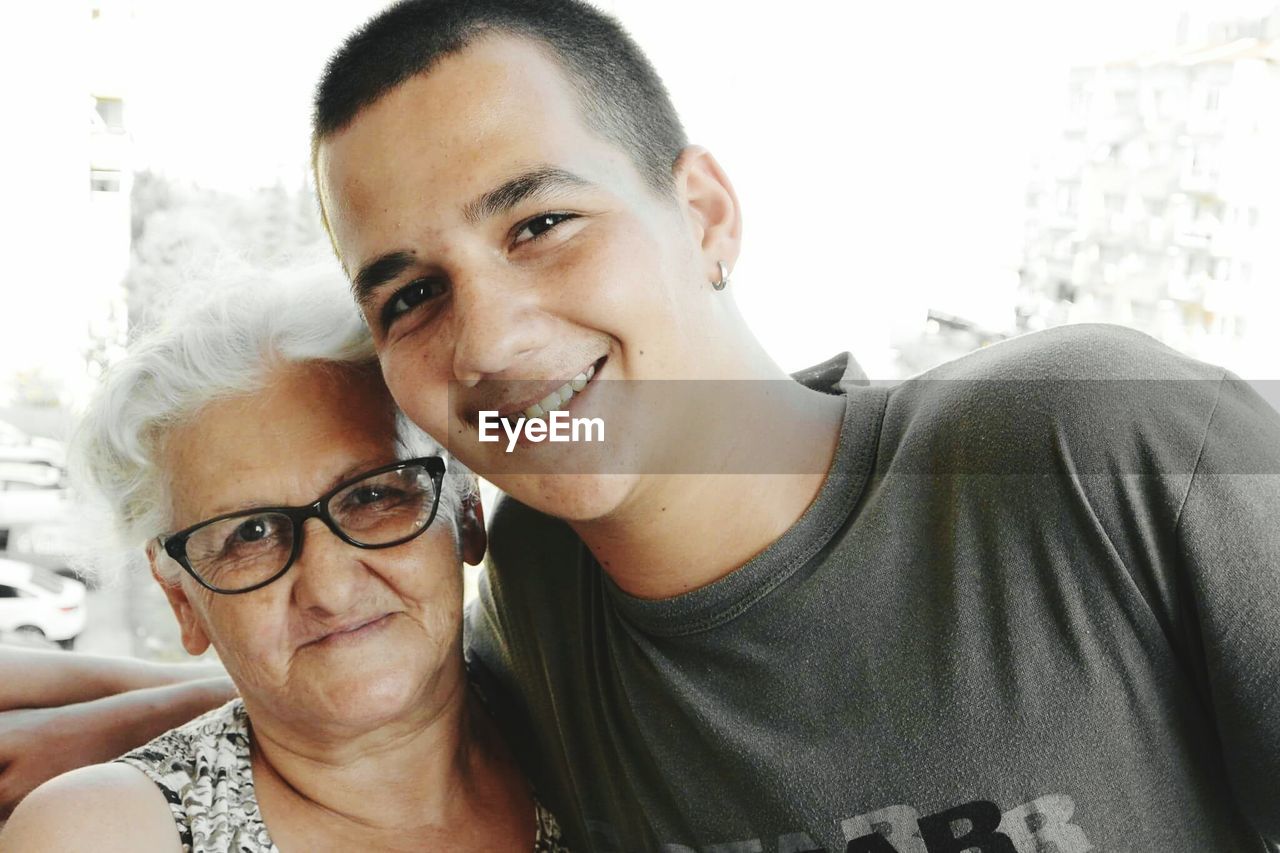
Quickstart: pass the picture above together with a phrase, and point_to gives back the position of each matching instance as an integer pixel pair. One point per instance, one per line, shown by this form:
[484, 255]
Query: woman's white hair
[222, 343]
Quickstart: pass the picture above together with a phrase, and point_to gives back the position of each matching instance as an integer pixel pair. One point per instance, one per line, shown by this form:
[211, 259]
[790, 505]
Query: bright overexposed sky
[881, 150]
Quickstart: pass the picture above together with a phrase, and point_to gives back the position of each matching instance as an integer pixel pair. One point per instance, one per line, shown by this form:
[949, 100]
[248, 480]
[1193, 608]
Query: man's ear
[711, 205]
[471, 533]
[194, 638]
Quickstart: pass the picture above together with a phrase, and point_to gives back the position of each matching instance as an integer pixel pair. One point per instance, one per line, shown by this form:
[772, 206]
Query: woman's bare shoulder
[106, 808]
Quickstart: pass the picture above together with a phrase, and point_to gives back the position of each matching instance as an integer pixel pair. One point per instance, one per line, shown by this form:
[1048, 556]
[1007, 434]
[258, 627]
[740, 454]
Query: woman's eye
[541, 224]
[252, 530]
[409, 297]
[367, 495]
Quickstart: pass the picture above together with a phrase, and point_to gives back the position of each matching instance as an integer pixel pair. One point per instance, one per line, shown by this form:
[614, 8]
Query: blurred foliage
[181, 232]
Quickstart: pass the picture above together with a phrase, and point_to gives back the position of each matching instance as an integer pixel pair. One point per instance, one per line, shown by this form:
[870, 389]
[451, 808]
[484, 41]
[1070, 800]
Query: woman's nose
[329, 574]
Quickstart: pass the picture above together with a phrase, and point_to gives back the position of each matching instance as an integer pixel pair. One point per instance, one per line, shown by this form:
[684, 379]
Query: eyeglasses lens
[386, 507]
[237, 553]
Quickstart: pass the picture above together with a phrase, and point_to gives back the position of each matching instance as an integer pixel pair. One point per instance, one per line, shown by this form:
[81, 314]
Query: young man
[1009, 607]
[1036, 613]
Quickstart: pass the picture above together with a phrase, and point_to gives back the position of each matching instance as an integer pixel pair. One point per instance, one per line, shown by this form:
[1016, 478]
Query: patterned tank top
[204, 772]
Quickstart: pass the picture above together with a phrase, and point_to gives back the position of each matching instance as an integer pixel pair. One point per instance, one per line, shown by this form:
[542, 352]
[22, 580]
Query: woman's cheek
[251, 637]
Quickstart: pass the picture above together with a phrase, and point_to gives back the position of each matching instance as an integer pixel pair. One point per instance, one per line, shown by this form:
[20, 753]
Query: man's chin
[572, 497]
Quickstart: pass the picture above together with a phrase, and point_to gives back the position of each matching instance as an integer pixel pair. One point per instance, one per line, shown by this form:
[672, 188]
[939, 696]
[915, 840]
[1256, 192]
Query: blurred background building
[69, 169]
[1159, 203]
[67, 152]
[105, 244]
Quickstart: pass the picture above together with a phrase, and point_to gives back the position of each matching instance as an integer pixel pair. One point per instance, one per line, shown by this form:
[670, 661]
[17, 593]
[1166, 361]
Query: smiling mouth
[352, 632]
[558, 398]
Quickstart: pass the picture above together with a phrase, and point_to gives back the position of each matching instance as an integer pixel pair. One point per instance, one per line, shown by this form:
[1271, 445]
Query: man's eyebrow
[535, 182]
[531, 184]
[379, 271]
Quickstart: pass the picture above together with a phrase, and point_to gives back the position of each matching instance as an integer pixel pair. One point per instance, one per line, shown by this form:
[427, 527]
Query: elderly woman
[314, 539]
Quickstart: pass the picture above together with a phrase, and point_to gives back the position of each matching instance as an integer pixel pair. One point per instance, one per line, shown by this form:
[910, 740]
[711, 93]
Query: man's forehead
[472, 119]
[498, 85]
[420, 158]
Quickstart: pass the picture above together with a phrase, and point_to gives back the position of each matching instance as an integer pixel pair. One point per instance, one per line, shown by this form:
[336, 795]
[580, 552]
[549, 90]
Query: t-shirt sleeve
[1228, 541]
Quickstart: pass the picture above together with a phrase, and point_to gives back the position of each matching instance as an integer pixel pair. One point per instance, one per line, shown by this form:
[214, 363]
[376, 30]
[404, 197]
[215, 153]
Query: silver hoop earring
[723, 282]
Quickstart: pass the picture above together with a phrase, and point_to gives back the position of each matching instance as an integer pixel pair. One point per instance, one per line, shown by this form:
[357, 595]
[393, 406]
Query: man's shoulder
[104, 807]
[1091, 351]
[1088, 395]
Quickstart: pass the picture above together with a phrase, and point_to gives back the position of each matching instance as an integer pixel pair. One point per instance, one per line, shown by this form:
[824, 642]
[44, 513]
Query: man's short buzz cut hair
[621, 96]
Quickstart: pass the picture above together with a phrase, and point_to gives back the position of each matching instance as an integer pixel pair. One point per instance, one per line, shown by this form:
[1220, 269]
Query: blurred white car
[35, 602]
[31, 459]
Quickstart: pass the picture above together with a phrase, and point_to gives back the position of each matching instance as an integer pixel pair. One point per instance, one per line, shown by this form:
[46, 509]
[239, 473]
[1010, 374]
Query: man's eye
[541, 224]
[410, 297]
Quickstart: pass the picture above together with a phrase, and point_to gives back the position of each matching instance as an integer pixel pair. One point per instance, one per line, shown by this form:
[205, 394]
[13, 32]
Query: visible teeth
[551, 402]
[560, 397]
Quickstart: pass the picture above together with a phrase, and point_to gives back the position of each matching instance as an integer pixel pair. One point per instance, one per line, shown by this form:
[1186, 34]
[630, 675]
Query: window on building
[1067, 195]
[104, 180]
[112, 112]
[1104, 152]
[1208, 214]
[1080, 100]
[1204, 159]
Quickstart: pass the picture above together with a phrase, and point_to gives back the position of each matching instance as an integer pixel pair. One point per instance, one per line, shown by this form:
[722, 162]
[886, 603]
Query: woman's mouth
[354, 632]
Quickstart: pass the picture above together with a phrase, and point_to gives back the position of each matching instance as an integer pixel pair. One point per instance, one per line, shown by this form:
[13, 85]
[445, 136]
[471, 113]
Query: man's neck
[681, 532]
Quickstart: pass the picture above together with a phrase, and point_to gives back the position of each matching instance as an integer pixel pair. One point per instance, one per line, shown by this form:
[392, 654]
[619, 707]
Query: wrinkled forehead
[308, 423]
[430, 145]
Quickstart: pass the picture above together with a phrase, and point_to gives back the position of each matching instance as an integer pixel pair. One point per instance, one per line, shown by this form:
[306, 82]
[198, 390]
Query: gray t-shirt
[1028, 612]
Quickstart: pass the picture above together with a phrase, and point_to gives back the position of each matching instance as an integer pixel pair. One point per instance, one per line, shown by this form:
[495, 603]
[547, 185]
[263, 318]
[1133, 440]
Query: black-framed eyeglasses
[246, 550]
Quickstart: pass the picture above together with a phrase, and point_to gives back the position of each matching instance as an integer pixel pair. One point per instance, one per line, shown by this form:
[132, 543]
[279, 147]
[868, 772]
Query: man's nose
[496, 326]
[329, 574]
